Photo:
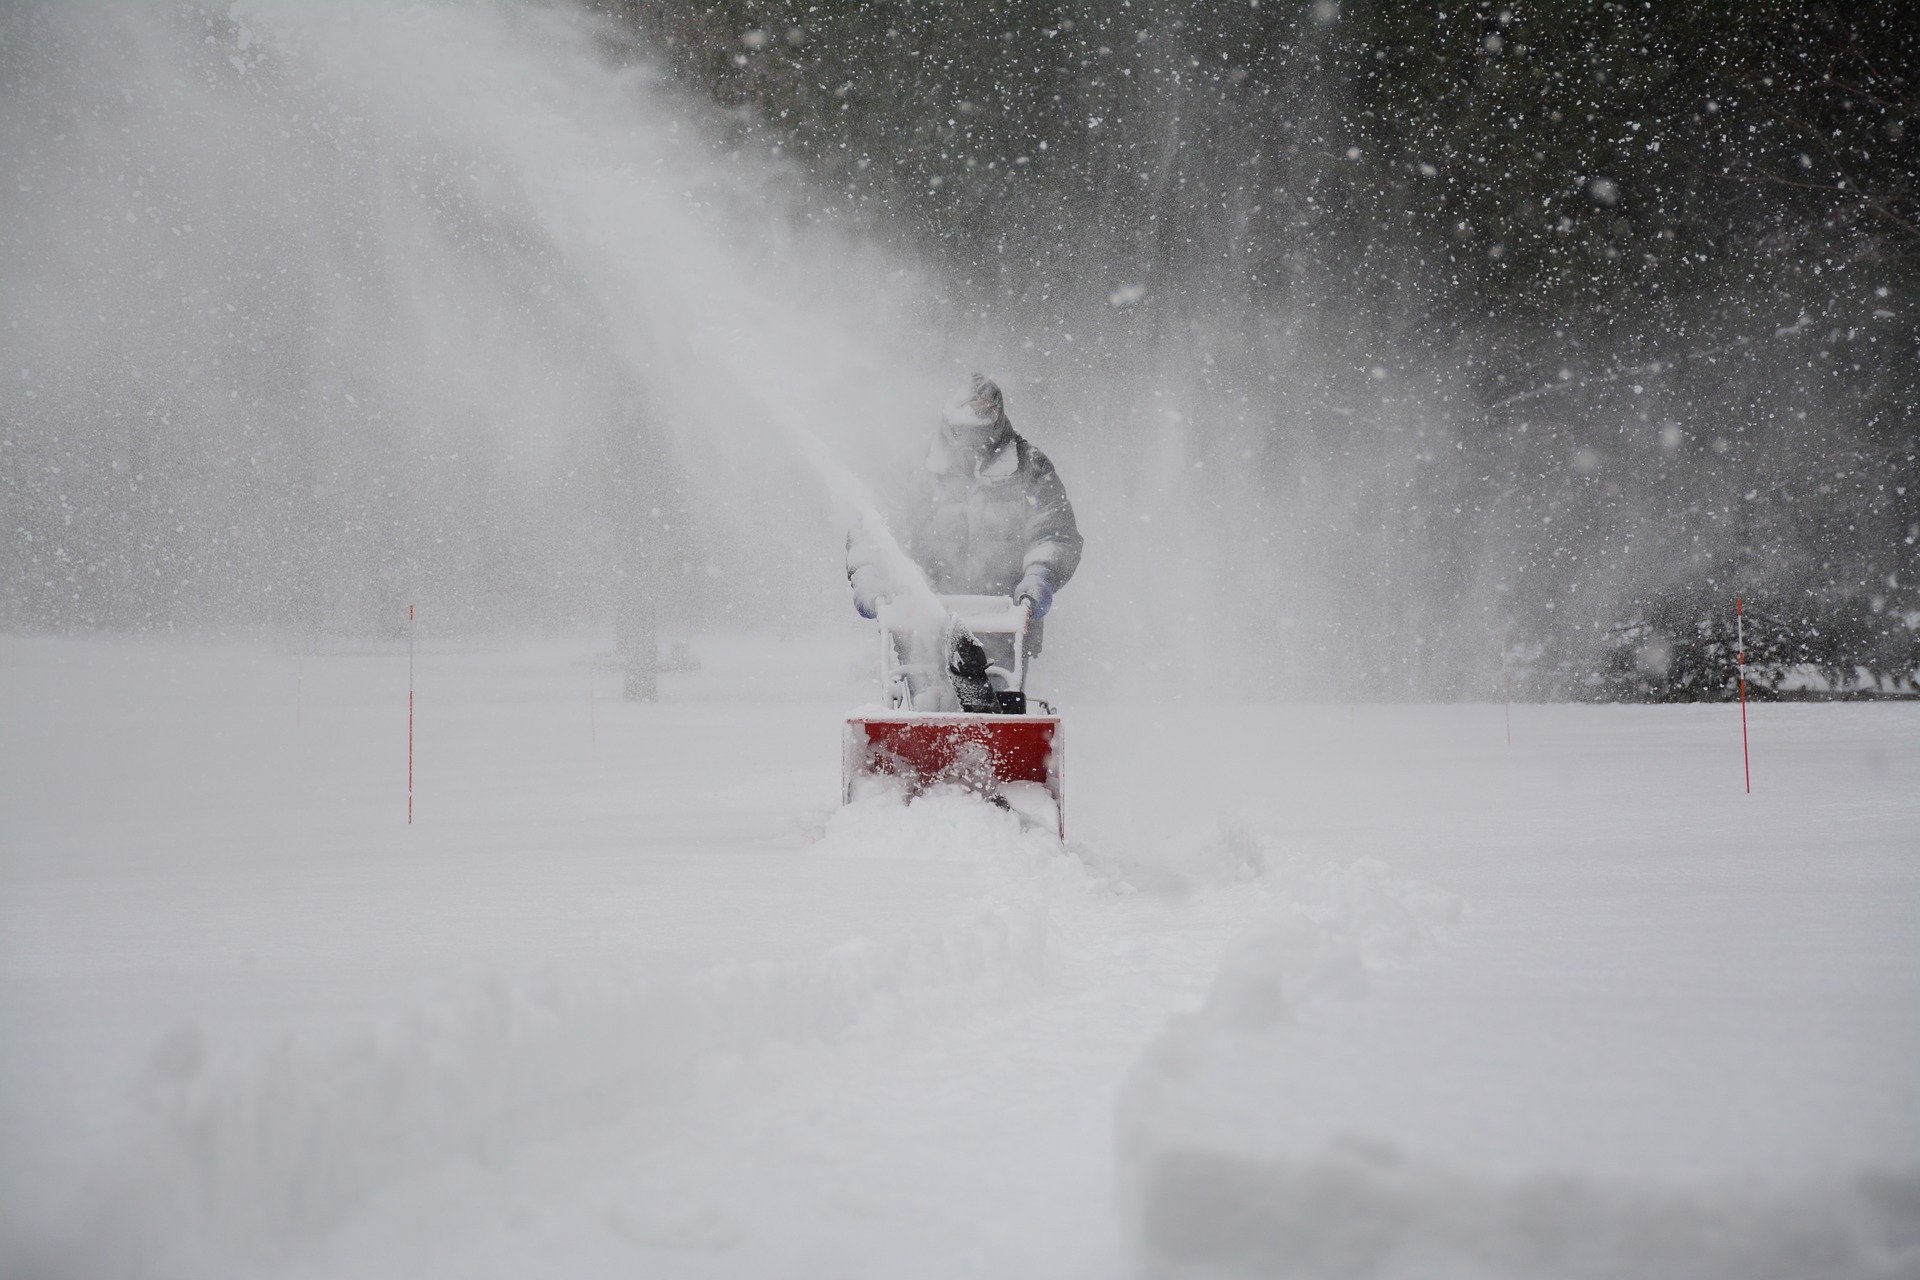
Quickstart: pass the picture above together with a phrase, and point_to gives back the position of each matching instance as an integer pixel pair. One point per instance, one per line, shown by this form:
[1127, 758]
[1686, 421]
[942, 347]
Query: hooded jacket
[977, 522]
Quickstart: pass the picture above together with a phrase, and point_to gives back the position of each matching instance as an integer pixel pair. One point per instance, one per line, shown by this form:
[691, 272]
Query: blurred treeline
[1563, 322]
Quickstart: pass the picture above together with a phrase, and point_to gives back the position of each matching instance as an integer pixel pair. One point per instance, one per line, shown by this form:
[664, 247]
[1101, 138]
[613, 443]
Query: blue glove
[1037, 589]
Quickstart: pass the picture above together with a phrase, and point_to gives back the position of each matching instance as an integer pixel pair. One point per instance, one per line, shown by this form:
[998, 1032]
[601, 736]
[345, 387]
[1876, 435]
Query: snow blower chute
[953, 716]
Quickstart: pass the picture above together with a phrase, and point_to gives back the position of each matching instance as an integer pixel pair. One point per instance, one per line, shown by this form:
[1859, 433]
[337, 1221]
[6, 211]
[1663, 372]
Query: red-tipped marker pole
[1740, 652]
[409, 715]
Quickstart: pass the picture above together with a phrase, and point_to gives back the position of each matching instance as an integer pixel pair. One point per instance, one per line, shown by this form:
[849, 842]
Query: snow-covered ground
[1313, 991]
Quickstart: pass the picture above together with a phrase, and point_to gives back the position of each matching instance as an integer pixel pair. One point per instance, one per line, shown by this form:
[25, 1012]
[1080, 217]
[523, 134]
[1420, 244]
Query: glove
[867, 594]
[1037, 589]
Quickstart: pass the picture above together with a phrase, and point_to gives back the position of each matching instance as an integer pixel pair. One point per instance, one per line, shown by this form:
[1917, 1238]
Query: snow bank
[1217, 1179]
[1364, 1209]
[234, 1165]
[1324, 938]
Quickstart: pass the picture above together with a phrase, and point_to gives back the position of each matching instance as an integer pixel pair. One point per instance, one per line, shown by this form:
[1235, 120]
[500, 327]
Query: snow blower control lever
[972, 676]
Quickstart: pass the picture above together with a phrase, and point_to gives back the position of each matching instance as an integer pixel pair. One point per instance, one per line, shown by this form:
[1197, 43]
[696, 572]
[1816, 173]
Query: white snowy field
[1311, 991]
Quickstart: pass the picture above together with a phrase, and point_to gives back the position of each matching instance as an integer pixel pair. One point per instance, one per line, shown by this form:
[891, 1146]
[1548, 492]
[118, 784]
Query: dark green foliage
[1611, 153]
[1684, 649]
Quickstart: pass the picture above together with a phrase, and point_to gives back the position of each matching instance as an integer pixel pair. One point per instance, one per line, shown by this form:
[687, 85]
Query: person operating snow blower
[987, 521]
[986, 515]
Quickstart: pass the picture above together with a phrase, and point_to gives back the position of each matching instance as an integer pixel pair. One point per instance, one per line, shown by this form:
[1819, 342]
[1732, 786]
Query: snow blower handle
[998, 616]
[981, 615]
[1018, 676]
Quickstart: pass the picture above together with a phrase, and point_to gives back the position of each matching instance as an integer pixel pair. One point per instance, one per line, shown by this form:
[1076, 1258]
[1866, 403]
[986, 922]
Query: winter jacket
[977, 524]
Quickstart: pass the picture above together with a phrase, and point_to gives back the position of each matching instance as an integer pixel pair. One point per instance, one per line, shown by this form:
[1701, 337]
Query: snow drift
[1216, 1182]
[230, 1165]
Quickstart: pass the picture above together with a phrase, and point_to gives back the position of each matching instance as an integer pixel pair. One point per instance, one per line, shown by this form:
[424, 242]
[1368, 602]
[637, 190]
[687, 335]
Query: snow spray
[848, 487]
[645, 263]
[1740, 655]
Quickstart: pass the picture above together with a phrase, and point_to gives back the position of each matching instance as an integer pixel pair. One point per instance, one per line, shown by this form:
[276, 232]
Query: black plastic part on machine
[967, 669]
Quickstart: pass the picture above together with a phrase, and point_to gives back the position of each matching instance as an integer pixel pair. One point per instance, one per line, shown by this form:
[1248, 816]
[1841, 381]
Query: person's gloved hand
[868, 594]
[1037, 589]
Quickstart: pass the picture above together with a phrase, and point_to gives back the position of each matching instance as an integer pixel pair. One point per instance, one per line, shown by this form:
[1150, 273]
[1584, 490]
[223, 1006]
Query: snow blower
[953, 716]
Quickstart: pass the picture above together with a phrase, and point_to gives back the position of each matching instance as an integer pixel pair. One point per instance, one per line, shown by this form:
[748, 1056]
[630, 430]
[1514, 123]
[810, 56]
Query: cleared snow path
[977, 1140]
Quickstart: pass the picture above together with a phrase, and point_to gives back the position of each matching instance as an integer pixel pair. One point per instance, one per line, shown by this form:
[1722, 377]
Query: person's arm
[1052, 537]
[864, 572]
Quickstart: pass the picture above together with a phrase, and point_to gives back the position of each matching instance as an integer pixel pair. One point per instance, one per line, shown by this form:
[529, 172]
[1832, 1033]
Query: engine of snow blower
[954, 716]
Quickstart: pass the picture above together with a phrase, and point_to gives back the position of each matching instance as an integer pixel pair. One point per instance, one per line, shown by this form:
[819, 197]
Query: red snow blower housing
[952, 716]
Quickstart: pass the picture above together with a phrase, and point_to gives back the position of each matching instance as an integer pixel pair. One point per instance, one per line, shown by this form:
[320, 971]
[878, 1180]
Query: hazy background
[1364, 335]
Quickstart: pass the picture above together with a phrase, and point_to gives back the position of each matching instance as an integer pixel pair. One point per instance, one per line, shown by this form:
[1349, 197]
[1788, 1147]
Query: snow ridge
[233, 1169]
[1209, 1188]
[1361, 1209]
[1325, 938]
